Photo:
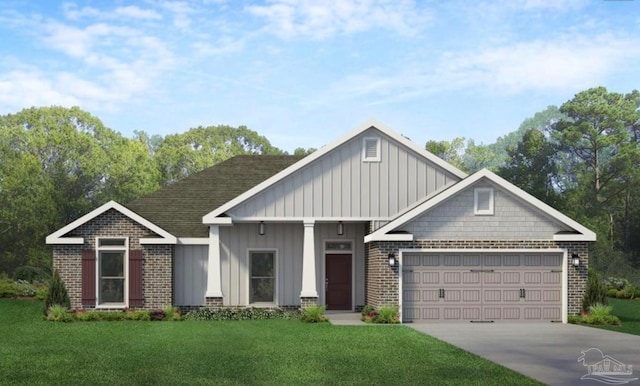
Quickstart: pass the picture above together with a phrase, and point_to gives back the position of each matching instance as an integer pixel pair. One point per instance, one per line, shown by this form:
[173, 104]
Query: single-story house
[371, 219]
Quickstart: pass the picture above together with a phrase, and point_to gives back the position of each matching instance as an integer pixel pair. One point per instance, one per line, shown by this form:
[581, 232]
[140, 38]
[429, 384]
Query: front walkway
[548, 352]
[344, 318]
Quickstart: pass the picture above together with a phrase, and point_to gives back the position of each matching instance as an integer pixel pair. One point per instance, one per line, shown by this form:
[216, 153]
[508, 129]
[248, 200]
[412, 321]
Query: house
[371, 218]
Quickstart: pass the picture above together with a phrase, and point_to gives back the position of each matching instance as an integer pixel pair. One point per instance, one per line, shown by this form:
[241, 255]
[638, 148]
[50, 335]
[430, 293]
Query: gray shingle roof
[179, 208]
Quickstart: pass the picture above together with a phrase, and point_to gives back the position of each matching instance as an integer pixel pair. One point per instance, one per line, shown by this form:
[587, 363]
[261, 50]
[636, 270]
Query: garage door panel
[430, 277]
[476, 287]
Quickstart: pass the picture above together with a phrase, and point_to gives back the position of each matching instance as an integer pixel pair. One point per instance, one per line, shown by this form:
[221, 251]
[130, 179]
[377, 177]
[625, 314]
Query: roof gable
[315, 158]
[385, 233]
[58, 237]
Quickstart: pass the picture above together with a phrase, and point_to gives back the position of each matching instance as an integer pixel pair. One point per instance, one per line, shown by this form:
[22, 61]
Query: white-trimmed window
[262, 276]
[483, 201]
[371, 149]
[112, 271]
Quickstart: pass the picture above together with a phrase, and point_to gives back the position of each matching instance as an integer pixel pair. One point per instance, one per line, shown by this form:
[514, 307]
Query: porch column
[309, 294]
[213, 296]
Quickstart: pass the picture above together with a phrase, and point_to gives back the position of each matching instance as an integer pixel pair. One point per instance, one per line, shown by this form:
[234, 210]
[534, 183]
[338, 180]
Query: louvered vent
[371, 150]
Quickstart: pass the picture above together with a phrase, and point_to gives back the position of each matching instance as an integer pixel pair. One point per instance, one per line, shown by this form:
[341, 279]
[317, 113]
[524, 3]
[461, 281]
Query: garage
[488, 286]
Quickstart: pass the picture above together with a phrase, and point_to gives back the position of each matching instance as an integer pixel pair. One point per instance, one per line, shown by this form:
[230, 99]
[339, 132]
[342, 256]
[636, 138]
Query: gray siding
[513, 219]
[190, 274]
[341, 185]
[286, 239]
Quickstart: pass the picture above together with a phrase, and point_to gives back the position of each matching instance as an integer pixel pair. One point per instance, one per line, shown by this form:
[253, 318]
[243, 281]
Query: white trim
[565, 270]
[57, 237]
[212, 216]
[389, 237]
[476, 194]
[193, 241]
[585, 234]
[345, 220]
[352, 252]
[377, 157]
[112, 248]
[275, 277]
[214, 266]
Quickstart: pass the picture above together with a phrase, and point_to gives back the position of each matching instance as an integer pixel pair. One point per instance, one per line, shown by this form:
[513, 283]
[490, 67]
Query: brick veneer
[382, 281]
[157, 264]
[308, 301]
[213, 302]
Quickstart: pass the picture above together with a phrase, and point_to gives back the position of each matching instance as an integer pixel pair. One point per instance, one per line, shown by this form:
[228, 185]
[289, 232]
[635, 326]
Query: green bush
[57, 293]
[599, 314]
[595, 293]
[139, 315]
[388, 315]
[221, 314]
[8, 289]
[58, 313]
[172, 313]
[367, 309]
[313, 314]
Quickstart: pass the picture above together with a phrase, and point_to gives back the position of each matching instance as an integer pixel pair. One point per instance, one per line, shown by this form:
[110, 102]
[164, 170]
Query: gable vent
[371, 149]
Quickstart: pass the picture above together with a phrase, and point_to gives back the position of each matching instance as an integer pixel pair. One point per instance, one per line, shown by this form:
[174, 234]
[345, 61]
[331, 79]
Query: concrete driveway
[547, 352]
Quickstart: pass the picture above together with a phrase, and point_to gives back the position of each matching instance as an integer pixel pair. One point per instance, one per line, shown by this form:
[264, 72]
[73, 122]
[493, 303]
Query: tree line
[56, 164]
[582, 158]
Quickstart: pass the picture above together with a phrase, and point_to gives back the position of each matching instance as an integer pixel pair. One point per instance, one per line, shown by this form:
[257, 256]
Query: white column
[309, 289]
[214, 286]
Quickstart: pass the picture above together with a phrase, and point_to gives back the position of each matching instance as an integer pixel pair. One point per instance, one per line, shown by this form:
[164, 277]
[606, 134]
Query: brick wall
[157, 265]
[382, 281]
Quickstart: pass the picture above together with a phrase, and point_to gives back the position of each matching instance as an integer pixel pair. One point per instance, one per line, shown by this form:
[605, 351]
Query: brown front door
[338, 282]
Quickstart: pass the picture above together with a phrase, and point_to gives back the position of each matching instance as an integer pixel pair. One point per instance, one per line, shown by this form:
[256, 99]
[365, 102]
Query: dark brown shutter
[89, 278]
[136, 298]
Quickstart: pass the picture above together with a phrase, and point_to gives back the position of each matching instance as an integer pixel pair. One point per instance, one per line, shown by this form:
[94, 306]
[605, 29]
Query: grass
[34, 351]
[629, 313]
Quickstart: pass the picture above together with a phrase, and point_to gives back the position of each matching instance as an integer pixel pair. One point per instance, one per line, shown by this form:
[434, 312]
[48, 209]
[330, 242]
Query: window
[371, 149]
[338, 245]
[112, 271]
[262, 279]
[483, 201]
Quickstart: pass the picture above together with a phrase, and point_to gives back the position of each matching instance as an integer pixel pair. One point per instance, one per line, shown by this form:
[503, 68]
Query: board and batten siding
[341, 185]
[190, 274]
[513, 219]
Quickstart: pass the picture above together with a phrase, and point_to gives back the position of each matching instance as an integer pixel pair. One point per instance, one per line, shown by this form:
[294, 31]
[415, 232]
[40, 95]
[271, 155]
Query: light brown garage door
[481, 287]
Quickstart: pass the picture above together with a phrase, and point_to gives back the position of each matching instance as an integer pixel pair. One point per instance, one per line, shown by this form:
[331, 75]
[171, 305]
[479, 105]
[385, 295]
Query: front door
[338, 282]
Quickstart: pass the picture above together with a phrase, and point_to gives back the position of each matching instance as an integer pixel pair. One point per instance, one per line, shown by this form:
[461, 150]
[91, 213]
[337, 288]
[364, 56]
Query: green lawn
[33, 351]
[629, 313]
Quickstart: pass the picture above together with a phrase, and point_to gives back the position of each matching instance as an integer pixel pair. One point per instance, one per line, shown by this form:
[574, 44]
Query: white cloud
[25, 88]
[320, 19]
[135, 12]
[73, 12]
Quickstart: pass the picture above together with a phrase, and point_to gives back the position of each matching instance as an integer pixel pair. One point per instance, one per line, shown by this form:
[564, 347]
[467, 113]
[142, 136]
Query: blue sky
[303, 73]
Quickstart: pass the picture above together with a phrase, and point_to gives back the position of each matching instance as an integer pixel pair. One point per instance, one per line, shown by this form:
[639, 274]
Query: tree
[531, 166]
[57, 164]
[450, 151]
[180, 155]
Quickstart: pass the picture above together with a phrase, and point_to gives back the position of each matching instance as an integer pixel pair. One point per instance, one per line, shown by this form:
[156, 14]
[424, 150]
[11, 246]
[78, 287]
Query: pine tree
[57, 294]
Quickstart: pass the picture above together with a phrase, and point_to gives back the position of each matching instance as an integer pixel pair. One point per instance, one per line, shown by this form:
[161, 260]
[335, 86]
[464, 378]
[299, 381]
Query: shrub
[139, 315]
[313, 314]
[172, 313]
[388, 315]
[57, 293]
[58, 313]
[367, 309]
[599, 314]
[612, 292]
[221, 314]
[595, 292]
[8, 289]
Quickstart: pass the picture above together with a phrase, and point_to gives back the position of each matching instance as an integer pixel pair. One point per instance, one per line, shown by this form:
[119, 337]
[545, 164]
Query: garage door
[481, 287]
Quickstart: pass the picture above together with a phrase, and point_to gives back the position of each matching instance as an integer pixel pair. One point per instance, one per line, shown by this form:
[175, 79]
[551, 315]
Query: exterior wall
[157, 285]
[383, 281]
[190, 275]
[513, 219]
[341, 185]
[287, 240]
